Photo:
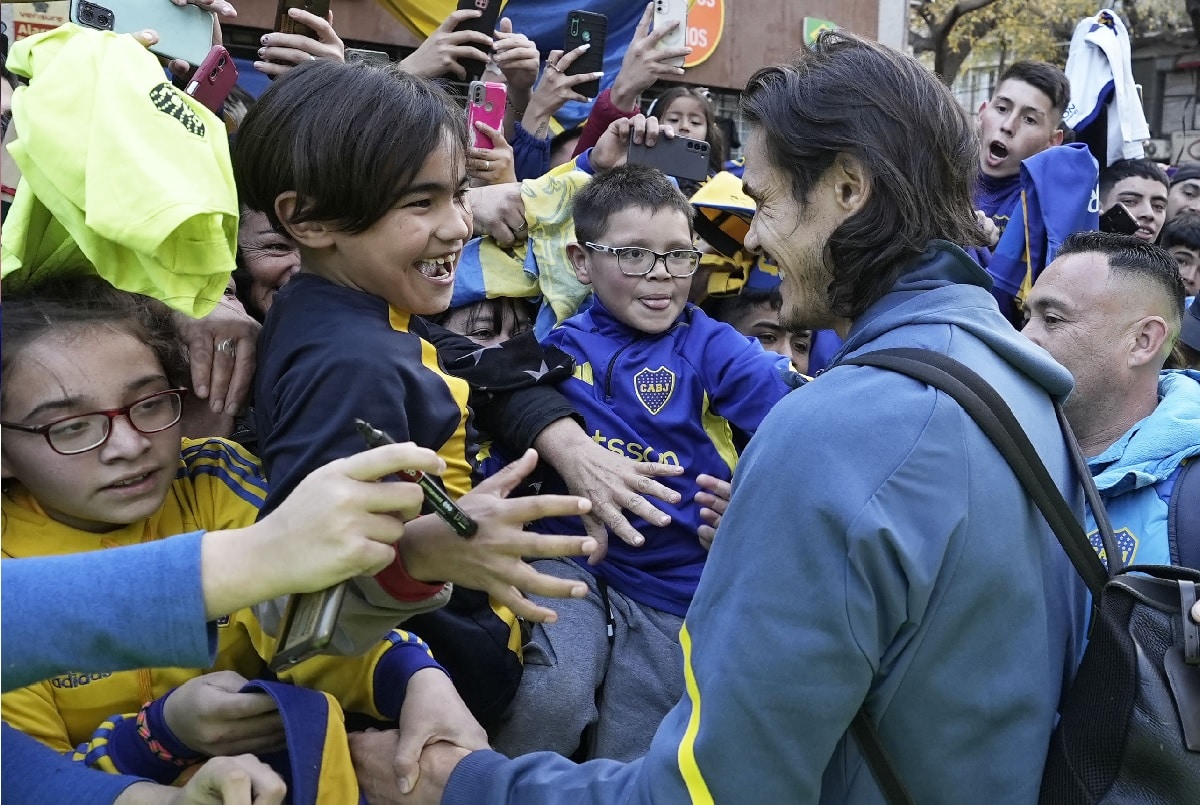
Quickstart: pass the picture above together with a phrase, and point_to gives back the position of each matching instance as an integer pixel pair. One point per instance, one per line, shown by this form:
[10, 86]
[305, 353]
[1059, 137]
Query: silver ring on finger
[487, 165]
[227, 347]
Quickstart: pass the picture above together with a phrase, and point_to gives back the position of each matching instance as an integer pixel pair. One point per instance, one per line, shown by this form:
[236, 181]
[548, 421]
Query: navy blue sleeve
[530, 154]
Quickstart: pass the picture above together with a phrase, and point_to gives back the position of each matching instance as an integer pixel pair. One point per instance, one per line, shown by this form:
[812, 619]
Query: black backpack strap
[1183, 516]
[989, 411]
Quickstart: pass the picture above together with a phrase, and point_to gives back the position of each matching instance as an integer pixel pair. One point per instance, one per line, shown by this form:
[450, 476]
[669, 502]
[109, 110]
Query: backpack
[1129, 726]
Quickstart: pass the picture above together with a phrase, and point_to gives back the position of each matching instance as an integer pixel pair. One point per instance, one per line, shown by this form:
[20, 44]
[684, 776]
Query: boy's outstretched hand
[492, 560]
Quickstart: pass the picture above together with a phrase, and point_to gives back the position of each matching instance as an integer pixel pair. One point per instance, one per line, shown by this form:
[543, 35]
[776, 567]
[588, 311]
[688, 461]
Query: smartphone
[213, 79]
[184, 32]
[286, 25]
[368, 56]
[1118, 220]
[681, 157]
[667, 11]
[586, 28]
[485, 24]
[485, 102]
[307, 626]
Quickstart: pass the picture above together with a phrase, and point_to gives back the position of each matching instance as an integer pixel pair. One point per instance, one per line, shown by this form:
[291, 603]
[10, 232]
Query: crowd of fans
[582, 351]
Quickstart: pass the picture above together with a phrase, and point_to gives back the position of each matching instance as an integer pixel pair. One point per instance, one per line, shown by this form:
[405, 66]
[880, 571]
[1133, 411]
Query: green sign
[813, 27]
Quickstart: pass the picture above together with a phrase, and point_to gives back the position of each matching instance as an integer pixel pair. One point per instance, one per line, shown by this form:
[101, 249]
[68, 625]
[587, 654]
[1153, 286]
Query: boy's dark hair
[80, 301]
[734, 306]
[619, 189]
[1046, 78]
[347, 138]
[1123, 169]
[1133, 258]
[715, 138]
[1182, 230]
[821, 105]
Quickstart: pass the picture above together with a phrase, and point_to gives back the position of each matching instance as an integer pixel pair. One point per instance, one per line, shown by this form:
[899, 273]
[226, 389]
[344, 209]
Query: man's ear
[851, 183]
[577, 254]
[1149, 347]
[310, 234]
[1057, 137]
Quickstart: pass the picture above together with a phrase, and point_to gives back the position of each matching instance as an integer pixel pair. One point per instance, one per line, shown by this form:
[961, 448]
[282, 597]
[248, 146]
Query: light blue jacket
[1137, 473]
[877, 549]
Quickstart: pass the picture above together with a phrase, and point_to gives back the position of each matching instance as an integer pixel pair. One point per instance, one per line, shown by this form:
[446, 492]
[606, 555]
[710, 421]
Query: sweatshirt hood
[1154, 448]
[945, 286]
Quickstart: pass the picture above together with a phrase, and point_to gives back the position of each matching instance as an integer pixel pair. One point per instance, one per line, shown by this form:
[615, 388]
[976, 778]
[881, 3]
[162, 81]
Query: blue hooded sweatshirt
[877, 551]
[1137, 473]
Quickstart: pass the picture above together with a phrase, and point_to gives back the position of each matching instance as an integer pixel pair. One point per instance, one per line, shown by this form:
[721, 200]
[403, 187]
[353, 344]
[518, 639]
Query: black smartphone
[1118, 220]
[485, 24]
[586, 28]
[681, 157]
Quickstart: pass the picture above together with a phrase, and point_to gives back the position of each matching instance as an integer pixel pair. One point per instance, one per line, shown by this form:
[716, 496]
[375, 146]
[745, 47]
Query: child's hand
[211, 716]
[441, 52]
[645, 62]
[229, 780]
[613, 146]
[554, 89]
[492, 560]
[612, 482]
[495, 165]
[296, 49]
[714, 500]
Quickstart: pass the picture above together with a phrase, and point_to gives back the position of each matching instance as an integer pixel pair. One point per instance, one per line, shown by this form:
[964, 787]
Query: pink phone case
[485, 102]
[213, 79]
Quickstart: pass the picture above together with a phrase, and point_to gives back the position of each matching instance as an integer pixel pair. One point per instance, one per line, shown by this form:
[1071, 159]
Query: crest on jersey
[654, 387]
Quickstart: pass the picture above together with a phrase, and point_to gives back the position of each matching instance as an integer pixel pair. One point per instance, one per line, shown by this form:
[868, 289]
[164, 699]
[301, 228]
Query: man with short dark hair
[859, 561]
[1109, 309]
[1185, 192]
[1140, 186]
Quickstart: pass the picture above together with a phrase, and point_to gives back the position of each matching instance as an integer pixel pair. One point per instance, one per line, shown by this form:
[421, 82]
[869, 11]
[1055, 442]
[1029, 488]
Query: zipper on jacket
[608, 373]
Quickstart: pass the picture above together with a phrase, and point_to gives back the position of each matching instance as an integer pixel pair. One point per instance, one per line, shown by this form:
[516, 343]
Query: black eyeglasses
[83, 432]
[635, 261]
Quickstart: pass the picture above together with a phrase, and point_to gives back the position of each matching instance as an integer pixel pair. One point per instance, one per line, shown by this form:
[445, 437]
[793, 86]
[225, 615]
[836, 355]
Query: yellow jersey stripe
[688, 768]
[718, 430]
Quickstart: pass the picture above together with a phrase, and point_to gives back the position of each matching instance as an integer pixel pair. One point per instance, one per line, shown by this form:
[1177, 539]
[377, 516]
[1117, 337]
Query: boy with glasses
[656, 380]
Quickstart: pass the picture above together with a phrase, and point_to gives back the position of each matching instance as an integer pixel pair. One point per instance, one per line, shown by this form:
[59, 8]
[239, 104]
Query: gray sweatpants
[575, 677]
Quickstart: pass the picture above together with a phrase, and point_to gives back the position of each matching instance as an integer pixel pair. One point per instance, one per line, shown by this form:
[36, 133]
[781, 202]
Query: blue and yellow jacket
[1136, 474]
[217, 486]
[674, 398]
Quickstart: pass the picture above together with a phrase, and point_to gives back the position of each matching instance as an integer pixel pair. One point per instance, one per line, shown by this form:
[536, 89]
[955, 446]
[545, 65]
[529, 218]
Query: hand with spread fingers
[445, 48]
[494, 559]
[517, 57]
[495, 165]
[281, 52]
[612, 482]
[554, 89]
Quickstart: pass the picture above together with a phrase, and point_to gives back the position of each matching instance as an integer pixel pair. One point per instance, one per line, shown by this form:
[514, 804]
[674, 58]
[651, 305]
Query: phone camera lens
[85, 14]
[574, 27]
[105, 20]
[221, 63]
[587, 36]
[213, 75]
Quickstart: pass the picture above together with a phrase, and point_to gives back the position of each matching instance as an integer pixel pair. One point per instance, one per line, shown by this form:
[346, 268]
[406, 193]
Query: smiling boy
[657, 380]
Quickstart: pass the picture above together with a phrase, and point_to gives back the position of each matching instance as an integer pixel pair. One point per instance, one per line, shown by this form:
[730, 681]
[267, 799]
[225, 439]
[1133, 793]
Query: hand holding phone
[213, 79]
[286, 25]
[586, 28]
[485, 103]
[681, 157]
[484, 24]
[666, 12]
[184, 32]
